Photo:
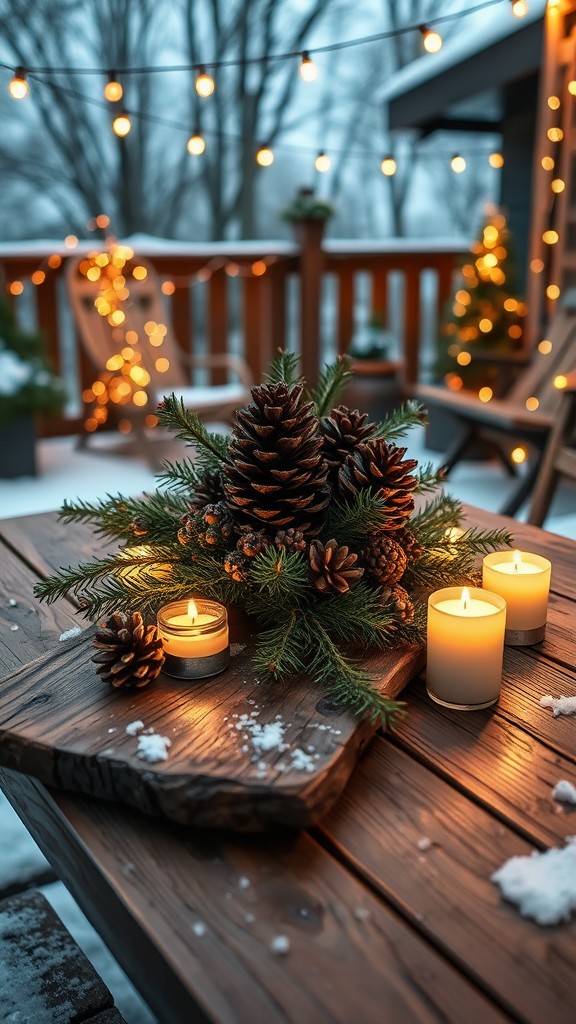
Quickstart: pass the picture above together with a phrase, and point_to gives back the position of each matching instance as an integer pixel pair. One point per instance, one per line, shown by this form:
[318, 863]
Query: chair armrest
[224, 359]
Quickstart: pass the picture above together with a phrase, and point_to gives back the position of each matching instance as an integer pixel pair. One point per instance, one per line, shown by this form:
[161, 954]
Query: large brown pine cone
[332, 567]
[413, 549]
[384, 559]
[275, 474]
[398, 600]
[209, 489]
[343, 430]
[129, 653]
[382, 469]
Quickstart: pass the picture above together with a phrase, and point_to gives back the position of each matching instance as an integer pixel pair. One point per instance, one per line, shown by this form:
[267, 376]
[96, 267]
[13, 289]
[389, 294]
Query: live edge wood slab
[62, 724]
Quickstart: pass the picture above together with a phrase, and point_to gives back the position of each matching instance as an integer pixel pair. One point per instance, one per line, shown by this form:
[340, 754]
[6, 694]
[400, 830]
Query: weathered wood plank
[60, 723]
[493, 761]
[526, 678]
[145, 890]
[392, 803]
[46, 976]
[46, 544]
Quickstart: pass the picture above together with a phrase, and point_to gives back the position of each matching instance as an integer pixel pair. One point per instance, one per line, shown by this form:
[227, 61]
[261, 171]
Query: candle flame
[192, 609]
[465, 597]
[516, 558]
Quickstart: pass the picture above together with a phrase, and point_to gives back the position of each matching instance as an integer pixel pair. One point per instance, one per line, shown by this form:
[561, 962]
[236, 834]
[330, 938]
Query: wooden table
[380, 929]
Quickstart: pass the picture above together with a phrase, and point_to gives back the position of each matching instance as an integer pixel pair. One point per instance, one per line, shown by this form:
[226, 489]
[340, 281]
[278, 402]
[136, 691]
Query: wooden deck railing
[251, 298]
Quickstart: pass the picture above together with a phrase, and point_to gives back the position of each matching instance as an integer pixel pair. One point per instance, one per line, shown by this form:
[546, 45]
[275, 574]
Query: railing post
[309, 234]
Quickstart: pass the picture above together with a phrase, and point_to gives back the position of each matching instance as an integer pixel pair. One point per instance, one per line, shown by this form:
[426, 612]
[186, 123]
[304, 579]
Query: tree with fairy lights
[484, 316]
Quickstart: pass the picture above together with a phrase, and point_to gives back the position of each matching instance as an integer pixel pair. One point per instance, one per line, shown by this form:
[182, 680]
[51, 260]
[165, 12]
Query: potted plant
[374, 385]
[306, 206]
[28, 387]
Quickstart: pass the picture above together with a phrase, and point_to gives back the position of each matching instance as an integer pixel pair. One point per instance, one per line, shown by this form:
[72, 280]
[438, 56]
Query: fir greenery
[166, 554]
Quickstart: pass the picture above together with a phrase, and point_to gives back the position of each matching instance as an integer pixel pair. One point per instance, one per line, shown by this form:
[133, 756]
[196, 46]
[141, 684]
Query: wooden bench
[45, 978]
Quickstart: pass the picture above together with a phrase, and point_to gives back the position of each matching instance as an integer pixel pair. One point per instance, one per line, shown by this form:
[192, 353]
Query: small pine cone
[399, 602]
[213, 525]
[129, 653]
[343, 430]
[332, 567]
[139, 526]
[291, 539]
[208, 490]
[380, 468]
[384, 558]
[236, 565]
[413, 549]
[252, 542]
[187, 531]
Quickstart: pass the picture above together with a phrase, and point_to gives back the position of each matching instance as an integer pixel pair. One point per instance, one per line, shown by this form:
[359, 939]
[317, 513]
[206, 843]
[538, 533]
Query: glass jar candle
[523, 580]
[195, 638]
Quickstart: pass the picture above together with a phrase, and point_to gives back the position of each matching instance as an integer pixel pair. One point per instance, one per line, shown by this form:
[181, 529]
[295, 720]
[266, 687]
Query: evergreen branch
[331, 382]
[350, 522]
[481, 542]
[358, 617]
[185, 424]
[86, 577]
[284, 369]
[429, 478]
[178, 476]
[113, 516]
[431, 523]
[401, 420]
[279, 650]
[279, 576]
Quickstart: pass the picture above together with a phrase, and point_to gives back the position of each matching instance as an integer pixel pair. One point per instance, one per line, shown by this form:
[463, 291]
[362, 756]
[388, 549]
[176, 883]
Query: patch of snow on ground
[542, 885]
[565, 792]
[559, 705]
[153, 748]
[68, 634]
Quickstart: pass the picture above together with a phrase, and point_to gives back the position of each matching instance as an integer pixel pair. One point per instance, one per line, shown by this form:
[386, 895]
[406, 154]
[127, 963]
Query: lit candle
[195, 638]
[465, 647]
[523, 580]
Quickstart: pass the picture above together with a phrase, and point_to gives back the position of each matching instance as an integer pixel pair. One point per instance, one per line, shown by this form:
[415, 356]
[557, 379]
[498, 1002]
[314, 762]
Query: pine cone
[187, 532]
[399, 602]
[381, 468]
[209, 489]
[343, 430]
[252, 542]
[210, 526]
[276, 474]
[413, 549]
[291, 539]
[332, 567]
[384, 558]
[139, 526]
[236, 564]
[129, 653]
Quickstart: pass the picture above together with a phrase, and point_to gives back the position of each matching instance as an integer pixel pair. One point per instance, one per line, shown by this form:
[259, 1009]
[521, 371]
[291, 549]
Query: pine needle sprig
[280, 576]
[113, 516]
[185, 424]
[401, 420]
[358, 617]
[124, 566]
[429, 478]
[279, 650]
[431, 523]
[331, 383]
[284, 369]
[180, 475]
[350, 522]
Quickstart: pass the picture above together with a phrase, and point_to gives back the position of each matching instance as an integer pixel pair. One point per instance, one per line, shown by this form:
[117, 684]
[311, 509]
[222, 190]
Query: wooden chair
[559, 461]
[527, 413]
[100, 341]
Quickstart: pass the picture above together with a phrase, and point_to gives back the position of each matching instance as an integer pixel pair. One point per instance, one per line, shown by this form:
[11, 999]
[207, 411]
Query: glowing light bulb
[322, 162]
[550, 237]
[553, 102]
[19, 88]
[519, 8]
[458, 164]
[431, 40]
[196, 144]
[518, 455]
[113, 90]
[204, 83]
[308, 69]
[557, 185]
[388, 166]
[265, 156]
[121, 125]
[485, 394]
[496, 160]
[560, 381]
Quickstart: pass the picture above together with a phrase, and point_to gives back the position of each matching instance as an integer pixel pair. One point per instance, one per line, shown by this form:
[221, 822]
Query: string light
[555, 134]
[431, 40]
[121, 125]
[518, 455]
[550, 237]
[388, 166]
[572, 87]
[485, 394]
[308, 69]
[113, 91]
[458, 164]
[204, 83]
[264, 156]
[547, 163]
[519, 8]
[322, 162]
[496, 160]
[553, 102]
[557, 185]
[532, 403]
[19, 88]
[196, 144]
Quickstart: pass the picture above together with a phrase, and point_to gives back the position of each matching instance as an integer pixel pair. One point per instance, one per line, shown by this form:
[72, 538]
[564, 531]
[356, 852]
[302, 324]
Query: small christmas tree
[484, 315]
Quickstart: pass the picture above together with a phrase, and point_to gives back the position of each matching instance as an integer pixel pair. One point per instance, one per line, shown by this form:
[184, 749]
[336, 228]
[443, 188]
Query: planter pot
[374, 387]
[17, 447]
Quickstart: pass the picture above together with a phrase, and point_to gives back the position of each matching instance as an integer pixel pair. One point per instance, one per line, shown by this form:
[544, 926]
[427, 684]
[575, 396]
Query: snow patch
[559, 705]
[153, 748]
[68, 634]
[542, 885]
[280, 945]
[565, 792]
[134, 727]
[424, 844]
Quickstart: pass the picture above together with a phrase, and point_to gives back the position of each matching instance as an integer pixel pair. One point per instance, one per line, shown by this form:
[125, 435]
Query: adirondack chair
[213, 403]
[559, 461]
[528, 411]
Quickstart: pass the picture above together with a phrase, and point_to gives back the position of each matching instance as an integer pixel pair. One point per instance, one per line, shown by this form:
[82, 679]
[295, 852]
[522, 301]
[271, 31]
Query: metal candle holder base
[524, 637]
[197, 668]
[462, 707]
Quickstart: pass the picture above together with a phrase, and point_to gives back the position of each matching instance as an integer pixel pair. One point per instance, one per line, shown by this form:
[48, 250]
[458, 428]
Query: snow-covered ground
[67, 473]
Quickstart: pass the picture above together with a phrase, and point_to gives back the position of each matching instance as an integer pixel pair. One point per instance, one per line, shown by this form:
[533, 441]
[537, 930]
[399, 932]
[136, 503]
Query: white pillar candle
[465, 645]
[195, 638]
[523, 580]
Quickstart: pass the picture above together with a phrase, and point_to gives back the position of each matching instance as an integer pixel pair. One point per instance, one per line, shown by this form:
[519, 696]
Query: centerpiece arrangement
[308, 517]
